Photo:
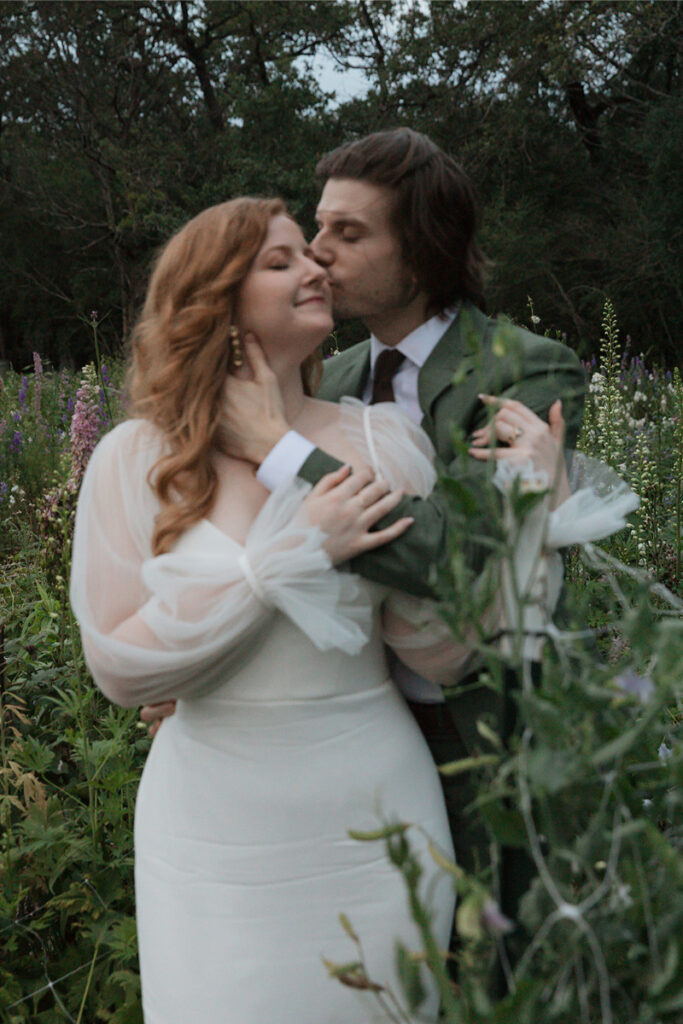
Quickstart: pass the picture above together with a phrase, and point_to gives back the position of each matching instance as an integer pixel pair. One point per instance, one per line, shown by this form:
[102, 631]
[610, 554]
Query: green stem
[105, 392]
[92, 803]
[88, 980]
[678, 531]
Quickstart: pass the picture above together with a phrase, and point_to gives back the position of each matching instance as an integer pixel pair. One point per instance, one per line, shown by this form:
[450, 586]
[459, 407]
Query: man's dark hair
[434, 212]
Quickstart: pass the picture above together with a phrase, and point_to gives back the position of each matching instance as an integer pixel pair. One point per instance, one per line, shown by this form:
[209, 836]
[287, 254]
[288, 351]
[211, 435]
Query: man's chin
[342, 311]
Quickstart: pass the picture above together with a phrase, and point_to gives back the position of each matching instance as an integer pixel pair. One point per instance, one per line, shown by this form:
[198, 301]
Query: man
[396, 222]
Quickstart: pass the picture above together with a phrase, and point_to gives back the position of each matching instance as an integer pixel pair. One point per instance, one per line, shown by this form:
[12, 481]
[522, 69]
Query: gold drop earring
[236, 357]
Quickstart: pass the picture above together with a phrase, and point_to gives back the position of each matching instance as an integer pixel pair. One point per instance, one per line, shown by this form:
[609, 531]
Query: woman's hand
[528, 438]
[253, 418]
[345, 506]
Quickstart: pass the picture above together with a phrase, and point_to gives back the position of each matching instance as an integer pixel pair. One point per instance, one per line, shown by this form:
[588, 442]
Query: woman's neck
[292, 391]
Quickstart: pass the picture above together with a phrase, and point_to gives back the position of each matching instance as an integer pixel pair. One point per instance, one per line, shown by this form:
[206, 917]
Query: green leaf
[379, 833]
[466, 764]
[462, 495]
[550, 770]
[410, 975]
[346, 925]
[506, 825]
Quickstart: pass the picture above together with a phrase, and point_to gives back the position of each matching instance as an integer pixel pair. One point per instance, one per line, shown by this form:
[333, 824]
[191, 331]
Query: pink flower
[86, 425]
[37, 365]
[494, 920]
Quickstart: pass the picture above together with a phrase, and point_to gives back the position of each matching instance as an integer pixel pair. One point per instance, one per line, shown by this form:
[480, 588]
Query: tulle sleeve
[178, 624]
[401, 453]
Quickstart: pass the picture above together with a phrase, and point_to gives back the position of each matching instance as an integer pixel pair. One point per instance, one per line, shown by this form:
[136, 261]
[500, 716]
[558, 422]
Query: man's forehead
[344, 198]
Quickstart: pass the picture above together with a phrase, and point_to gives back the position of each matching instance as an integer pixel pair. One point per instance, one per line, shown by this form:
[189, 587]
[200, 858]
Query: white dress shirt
[289, 454]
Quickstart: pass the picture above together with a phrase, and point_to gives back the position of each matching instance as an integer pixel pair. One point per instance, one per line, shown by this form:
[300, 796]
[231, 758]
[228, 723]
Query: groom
[396, 222]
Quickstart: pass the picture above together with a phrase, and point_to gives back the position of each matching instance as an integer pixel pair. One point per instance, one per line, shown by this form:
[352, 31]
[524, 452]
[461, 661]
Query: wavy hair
[180, 352]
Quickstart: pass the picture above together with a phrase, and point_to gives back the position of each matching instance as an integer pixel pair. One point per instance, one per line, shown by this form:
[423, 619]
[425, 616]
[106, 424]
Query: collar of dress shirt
[419, 344]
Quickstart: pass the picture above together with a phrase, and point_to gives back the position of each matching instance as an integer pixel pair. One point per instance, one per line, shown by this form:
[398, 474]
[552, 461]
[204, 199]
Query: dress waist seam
[369, 694]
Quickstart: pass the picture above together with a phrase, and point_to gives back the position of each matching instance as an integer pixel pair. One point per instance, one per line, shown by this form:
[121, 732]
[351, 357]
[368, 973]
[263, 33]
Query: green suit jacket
[534, 369]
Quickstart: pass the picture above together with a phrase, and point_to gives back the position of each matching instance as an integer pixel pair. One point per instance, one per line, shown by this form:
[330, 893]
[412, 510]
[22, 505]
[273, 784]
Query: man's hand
[253, 419]
[154, 714]
[346, 507]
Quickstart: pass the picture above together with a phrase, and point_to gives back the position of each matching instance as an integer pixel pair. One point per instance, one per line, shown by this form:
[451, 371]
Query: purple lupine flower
[22, 391]
[641, 687]
[37, 365]
[106, 380]
[16, 416]
[3, 490]
[70, 404]
[15, 443]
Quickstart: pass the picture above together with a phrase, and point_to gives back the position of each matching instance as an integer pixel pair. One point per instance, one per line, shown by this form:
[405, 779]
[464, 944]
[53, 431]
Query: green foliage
[633, 421]
[123, 120]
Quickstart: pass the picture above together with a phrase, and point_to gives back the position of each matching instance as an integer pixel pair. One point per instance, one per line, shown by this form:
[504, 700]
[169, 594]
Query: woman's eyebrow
[285, 249]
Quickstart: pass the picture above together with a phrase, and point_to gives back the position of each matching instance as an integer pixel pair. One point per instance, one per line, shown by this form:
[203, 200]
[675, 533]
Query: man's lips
[312, 298]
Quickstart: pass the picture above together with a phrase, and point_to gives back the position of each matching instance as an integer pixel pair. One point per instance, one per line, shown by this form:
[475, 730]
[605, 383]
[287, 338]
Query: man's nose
[315, 271]
[320, 251]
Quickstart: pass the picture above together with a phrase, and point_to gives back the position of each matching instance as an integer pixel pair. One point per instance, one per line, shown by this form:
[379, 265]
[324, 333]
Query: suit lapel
[347, 373]
[449, 355]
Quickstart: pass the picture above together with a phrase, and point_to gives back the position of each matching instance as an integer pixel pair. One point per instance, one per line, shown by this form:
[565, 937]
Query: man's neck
[392, 326]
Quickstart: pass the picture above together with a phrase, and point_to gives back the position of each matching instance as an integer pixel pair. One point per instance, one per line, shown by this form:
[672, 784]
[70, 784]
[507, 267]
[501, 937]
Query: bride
[191, 582]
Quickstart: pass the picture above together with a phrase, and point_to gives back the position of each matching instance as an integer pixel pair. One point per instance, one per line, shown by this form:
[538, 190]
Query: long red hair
[180, 352]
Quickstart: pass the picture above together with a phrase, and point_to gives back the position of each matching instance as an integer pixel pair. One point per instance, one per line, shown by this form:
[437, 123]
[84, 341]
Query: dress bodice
[282, 663]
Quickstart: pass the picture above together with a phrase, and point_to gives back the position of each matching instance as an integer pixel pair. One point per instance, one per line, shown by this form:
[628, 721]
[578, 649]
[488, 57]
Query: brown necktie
[388, 362]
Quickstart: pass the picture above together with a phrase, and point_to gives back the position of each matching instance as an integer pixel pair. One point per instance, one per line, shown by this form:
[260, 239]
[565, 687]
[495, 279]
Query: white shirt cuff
[284, 460]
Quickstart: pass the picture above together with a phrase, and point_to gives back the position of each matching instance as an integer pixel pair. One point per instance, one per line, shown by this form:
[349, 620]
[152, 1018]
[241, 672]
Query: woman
[190, 582]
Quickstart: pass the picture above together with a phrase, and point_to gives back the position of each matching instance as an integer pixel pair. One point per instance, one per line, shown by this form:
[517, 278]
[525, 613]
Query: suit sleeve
[411, 562]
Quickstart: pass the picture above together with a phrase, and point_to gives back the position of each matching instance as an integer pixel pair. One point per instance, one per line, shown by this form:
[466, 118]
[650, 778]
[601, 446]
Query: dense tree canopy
[120, 120]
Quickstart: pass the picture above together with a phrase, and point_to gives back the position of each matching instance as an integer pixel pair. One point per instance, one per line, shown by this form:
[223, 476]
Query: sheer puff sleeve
[178, 624]
[401, 453]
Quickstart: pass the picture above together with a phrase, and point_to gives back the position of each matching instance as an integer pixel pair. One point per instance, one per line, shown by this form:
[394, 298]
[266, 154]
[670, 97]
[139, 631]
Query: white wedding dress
[288, 734]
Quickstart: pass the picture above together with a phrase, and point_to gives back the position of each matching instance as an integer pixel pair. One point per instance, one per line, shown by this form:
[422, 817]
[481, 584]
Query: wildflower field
[70, 762]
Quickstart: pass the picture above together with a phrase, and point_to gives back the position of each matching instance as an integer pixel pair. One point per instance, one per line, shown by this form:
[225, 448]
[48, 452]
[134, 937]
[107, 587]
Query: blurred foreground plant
[587, 784]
